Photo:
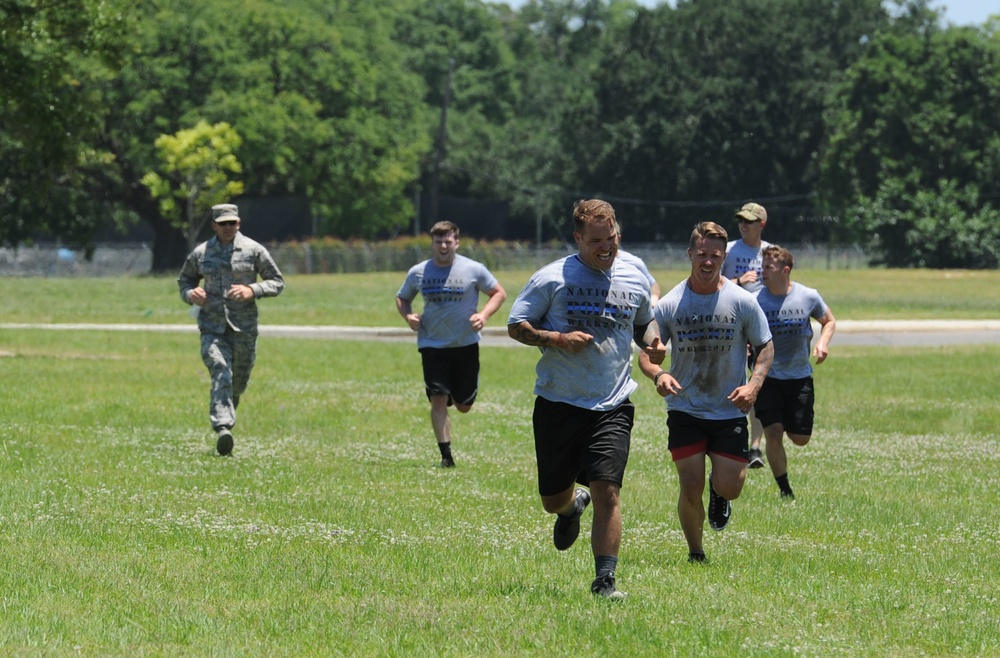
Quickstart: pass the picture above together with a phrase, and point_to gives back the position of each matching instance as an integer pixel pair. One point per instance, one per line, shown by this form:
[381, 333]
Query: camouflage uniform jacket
[222, 266]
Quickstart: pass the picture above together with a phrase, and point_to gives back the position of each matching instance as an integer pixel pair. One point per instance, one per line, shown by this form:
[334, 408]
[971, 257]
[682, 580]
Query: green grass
[331, 532]
[369, 299]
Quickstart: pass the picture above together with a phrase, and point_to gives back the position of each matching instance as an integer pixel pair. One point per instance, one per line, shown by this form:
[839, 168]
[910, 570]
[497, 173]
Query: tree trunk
[169, 248]
[169, 243]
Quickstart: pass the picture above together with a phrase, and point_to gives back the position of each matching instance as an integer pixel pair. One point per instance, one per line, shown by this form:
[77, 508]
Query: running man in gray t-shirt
[786, 400]
[584, 312]
[448, 330]
[709, 322]
[743, 256]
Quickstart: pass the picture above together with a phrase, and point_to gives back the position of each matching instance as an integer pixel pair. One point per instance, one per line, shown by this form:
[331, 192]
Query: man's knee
[692, 483]
[728, 478]
[559, 502]
[728, 488]
[799, 439]
[605, 494]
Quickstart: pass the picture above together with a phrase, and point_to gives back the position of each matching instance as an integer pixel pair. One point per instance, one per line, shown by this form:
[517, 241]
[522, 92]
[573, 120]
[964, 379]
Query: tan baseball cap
[753, 212]
[225, 212]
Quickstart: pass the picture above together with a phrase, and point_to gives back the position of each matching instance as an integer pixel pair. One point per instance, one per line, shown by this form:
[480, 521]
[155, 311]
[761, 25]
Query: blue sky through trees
[958, 12]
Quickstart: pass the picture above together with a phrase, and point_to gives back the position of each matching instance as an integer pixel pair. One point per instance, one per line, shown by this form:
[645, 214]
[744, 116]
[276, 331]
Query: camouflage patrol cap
[225, 212]
[753, 212]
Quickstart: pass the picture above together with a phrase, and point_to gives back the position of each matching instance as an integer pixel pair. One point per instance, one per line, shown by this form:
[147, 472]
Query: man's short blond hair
[708, 231]
[587, 211]
[779, 254]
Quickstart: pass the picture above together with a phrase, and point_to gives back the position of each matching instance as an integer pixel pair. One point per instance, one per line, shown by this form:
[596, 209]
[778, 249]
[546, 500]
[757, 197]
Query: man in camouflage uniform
[227, 311]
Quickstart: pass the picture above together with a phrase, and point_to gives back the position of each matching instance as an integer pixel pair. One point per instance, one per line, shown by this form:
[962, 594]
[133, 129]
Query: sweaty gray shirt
[451, 297]
[567, 296]
[708, 346]
[221, 266]
[788, 317]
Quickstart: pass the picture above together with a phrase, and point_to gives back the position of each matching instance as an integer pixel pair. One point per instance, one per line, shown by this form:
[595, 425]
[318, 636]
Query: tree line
[853, 121]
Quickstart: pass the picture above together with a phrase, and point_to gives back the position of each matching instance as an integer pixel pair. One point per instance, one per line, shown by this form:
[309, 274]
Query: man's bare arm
[762, 363]
[526, 333]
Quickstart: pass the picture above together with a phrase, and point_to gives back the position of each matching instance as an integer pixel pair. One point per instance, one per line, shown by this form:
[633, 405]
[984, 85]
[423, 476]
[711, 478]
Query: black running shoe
[447, 462]
[224, 444]
[605, 587]
[756, 458]
[719, 508]
[787, 493]
[696, 557]
[567, 529]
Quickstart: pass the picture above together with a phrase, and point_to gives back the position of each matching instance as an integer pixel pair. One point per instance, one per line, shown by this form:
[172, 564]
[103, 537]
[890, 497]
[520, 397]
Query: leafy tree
[328, 109]
[317, 90]
[458, 48]
[557, 44]
[196, 167]
[940, 227]
[914, 148]
[53, 55]
[717, 100]
[514, 73]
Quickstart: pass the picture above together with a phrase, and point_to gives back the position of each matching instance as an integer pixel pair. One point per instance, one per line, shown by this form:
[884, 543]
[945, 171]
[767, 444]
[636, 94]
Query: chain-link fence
[375, 257]
[807, 256]
[51, 260]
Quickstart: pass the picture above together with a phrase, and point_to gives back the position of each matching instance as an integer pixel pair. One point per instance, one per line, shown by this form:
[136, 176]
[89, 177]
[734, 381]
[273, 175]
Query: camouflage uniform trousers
[230, 358]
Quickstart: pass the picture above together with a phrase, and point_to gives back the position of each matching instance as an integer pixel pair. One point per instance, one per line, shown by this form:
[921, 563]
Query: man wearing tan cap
[230, 264]
[743, 256]
[744, 260]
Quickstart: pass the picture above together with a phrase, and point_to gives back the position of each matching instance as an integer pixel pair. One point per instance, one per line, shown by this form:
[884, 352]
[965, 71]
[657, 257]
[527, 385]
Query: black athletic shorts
[452, 371]
[787, 401]
[688, 435]
[580, 445]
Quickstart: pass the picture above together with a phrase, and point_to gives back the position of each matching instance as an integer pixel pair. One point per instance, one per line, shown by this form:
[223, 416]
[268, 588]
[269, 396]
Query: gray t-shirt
[740, 258]
[708, 338]
[632, 259]
[451, 297]
[568, 295]
[788, 317]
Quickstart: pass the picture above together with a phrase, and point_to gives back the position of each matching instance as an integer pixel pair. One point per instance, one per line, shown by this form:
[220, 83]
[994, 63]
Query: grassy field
[368, 299]
[330, 531]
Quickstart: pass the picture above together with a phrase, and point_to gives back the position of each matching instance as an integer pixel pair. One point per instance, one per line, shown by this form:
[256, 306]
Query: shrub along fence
[335, 256]
[324, 256]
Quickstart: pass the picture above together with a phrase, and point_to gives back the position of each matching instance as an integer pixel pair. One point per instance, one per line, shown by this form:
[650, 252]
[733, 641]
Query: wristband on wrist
[656, 377]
